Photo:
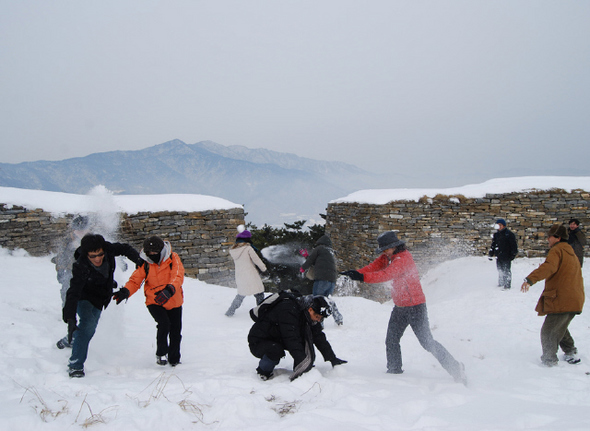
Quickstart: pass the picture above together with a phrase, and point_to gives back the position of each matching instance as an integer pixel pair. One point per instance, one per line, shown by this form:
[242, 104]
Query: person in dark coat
[323, 261]
[91, 290]
[505, 249]
[577, 239]
[294, 325]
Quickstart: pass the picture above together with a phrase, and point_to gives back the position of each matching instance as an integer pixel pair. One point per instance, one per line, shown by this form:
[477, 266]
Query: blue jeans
[88, 316]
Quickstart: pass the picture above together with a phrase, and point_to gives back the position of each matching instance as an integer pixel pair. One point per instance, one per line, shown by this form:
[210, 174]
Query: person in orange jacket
[162, 275]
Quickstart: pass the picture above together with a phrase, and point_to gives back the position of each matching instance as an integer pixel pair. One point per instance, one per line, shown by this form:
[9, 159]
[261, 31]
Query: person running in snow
[91, 290]
[64, 259]
[247, 265]
[396, 266]
[562, 298]
[323, 262]
[294, 325]
[162, 275]
[505, 249]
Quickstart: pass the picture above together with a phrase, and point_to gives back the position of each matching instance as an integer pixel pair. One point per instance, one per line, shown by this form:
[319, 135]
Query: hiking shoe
[161, 360]
[264, 375]
[572, 359]
[62, 344]
[76, 373]
[173, 364]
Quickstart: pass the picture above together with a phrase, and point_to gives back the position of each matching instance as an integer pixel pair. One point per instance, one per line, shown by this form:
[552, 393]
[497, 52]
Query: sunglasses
[94, 256]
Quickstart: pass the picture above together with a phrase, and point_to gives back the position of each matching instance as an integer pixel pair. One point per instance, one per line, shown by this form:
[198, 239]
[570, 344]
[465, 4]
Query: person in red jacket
[162, 275]
[396, 266]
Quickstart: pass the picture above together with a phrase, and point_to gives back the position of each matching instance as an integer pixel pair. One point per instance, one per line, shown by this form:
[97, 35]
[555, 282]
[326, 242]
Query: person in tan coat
[247, 273]
[562, 298]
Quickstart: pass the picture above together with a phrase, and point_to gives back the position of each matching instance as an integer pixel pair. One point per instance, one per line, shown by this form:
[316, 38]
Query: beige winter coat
[564, 286]
[247, 277]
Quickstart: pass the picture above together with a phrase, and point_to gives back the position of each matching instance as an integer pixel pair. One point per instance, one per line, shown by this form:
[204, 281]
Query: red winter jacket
[401, 273]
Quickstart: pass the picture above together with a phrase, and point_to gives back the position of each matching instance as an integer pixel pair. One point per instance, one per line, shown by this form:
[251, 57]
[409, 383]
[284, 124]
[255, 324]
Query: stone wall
[202, 239]
[446, 227]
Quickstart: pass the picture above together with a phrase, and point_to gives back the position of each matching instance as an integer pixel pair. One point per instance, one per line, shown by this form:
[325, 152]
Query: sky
[216, 386]
[442, 93]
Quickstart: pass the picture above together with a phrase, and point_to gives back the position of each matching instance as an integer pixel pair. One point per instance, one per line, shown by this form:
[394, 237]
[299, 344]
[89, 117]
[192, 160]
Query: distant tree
[293, 236]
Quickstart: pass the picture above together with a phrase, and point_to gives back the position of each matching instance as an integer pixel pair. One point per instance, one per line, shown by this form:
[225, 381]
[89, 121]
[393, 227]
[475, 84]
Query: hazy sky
[441, 91]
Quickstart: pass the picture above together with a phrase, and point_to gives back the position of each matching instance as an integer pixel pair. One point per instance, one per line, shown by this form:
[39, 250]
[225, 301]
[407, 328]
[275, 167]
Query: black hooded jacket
[504, 245]
[288, 326]
[89, 284]
[323, 260]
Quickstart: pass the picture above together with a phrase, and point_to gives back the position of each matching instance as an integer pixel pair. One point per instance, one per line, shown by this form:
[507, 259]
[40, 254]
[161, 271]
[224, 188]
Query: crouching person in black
[292, 324]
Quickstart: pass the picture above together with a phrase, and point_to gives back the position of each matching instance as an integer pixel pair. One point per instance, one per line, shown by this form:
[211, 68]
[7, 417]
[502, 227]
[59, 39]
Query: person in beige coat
[247, 265]
[562, 298]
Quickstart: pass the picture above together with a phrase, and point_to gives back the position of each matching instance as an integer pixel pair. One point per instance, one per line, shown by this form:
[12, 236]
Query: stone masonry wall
[446, 227]
[201, 239]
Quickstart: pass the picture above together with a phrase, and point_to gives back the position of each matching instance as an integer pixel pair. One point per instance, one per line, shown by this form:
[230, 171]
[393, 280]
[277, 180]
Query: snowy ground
[495, 334]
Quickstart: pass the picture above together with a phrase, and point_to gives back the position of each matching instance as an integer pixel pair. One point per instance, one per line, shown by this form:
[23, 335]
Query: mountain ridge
[274, 187]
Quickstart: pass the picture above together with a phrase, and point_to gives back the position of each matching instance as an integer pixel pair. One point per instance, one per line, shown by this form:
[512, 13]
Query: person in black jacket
[577, 239]
[91, 290]
[294, 325]
[505, 249]
[323, 262]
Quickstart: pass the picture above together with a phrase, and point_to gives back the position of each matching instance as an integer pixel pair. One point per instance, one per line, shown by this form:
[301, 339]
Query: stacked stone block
[446, 227]
[202, 239]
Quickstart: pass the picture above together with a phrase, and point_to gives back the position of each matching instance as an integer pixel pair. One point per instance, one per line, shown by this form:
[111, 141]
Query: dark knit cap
[388, 240]
[153, 244]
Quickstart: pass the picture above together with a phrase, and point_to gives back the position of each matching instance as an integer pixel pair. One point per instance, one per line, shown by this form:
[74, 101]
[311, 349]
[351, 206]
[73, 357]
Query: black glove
[71, 328]
[121, 295]
[139, 263]
[165, 294]
[337, 361]
[353, 274]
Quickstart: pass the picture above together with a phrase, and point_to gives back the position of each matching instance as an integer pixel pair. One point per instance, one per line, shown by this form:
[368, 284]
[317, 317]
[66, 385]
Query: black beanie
[153, 244]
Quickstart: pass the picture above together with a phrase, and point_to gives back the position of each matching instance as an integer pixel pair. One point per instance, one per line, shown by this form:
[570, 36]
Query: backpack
[270, 301]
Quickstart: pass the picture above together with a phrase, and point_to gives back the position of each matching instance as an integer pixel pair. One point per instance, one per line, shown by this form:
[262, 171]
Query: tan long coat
[564, 285]
[247, 278]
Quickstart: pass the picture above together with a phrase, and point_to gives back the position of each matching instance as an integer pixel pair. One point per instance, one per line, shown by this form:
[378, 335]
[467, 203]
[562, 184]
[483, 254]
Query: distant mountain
[274, 187]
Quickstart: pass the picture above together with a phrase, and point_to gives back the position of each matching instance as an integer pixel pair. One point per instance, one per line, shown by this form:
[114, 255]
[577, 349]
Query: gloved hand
[353, 274]
[301, 270]
[71, 328]
[165, 294]
[303, 252]
[139, 263]
[337, 361]
[121, 294]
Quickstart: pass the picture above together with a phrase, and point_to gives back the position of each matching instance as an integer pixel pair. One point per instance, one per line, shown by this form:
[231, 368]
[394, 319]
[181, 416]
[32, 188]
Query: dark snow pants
[504, 273]
[417, 317]
[169, 325]
[555, 334]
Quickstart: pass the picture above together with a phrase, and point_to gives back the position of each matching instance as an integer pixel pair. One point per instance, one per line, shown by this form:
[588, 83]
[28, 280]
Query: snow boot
[572, 358]
[161, 360]
[76, 373]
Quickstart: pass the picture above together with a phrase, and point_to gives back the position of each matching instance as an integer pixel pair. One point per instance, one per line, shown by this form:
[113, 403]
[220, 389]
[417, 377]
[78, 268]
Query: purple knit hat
[245, 234]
